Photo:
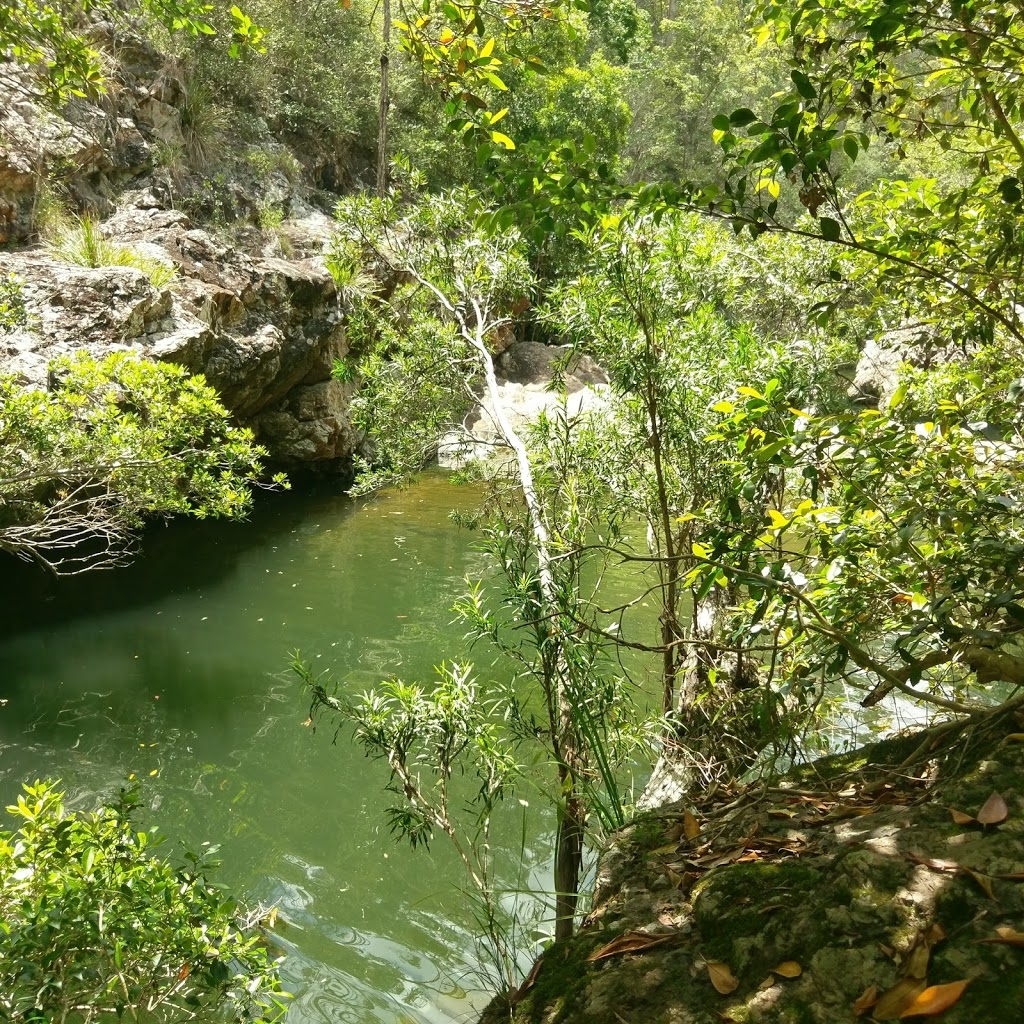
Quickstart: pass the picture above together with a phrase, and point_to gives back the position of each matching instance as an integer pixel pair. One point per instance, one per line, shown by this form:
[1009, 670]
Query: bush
[116, 441]
[94, 927]
[13, 313]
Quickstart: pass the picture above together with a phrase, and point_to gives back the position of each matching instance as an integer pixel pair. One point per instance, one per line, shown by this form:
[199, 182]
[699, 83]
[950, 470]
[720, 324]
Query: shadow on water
[175, 556]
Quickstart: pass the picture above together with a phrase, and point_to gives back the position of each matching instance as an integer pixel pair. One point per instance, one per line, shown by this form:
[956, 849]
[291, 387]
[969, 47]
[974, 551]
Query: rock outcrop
[843, 893]
[526, 371]
[264, 330]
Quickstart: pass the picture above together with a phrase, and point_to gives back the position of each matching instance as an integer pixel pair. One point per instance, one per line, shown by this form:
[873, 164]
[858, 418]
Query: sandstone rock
[526, 372]
[265, 332]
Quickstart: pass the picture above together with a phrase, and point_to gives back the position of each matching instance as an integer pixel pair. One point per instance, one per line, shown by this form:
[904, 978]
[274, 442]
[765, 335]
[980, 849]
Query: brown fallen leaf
[866, 1000]
[691, 827]
[766, 984]
[630, 942]
[788, 969]
[1006, 936]
[984, 881]
[961, 818]
[892, 1003]
[667, 848]
[1014, 876]
[517, 993]
[995, 811]
[676, 880]
[1016, 737]
[935, 1000]
[722, 978]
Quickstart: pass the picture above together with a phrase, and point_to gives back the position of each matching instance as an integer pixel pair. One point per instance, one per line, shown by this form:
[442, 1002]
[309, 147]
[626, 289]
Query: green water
[177, 666]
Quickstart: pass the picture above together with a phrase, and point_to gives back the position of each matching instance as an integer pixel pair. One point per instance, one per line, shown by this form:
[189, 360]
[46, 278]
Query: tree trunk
[385, 101]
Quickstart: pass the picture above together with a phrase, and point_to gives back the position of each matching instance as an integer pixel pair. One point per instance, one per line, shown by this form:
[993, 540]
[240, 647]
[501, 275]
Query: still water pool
[175, 669]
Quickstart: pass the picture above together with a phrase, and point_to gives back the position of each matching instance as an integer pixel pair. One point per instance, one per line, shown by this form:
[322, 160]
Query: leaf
[1006, 936]
[898, 998]
[830, 229]
[983, 880]
[865, 1000]
[691, 827]
[960, 818]
[788, 969]
[630, 942]
[935, 1000]
[766, 984]
[995, 811]
[722, 978]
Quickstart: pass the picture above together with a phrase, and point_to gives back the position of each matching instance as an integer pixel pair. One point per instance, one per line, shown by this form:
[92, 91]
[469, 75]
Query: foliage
[654, 309]
[890, 560]
[13, 313]
[431, 739]
[96, 927]
[84, 245]
[415, 365]
[704, 61]
[115, 441]
[860, 70]
[52, 38]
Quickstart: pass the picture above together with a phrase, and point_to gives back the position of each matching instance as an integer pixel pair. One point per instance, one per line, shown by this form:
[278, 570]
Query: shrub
[95, 927]
[13, 313]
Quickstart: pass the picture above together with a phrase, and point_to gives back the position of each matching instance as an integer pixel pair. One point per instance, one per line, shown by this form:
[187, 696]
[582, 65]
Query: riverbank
[849, 889]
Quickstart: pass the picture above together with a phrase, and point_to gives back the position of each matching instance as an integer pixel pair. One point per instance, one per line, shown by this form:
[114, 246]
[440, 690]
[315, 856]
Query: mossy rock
[846, 898]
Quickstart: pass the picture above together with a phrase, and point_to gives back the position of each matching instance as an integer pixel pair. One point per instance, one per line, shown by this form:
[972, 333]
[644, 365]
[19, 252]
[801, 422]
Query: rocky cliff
[254, 310]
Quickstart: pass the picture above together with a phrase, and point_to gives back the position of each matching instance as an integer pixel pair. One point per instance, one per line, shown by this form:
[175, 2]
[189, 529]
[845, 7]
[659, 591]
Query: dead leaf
[1006, 936]
[691, 827]
[960, 818]
[995, 811]
[766, 984]
[186, 970]
[1014, 876]
[1016, 737]
[935, 863]
[916, 964]
[892, 1003]
[781, 812]
[667, 848]
[308, 722]
[676, 880]
[788, 969]
[722, 978]
[866, 1000]
[984, 881]
[935, 1000]
[630, 942]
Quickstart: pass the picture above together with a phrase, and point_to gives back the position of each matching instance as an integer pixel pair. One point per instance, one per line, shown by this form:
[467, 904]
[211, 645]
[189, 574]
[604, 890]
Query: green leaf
[831, 230]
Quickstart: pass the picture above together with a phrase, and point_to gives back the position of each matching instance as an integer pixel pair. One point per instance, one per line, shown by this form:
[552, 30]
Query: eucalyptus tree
[424, 349]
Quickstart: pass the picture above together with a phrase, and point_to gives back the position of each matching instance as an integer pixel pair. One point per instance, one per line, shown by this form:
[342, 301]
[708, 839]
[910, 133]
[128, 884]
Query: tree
[95, 927]
[865, 72]
[890, 559]
[116, 441]
[52, 39]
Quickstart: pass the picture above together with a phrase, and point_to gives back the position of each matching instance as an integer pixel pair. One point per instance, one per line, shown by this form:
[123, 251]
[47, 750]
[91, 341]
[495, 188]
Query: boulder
[527, 374]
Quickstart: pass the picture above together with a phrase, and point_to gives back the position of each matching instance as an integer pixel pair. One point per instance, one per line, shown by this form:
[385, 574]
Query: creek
[175, 670]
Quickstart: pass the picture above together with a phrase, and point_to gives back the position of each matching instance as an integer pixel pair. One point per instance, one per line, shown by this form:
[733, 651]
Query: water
[175, 669]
